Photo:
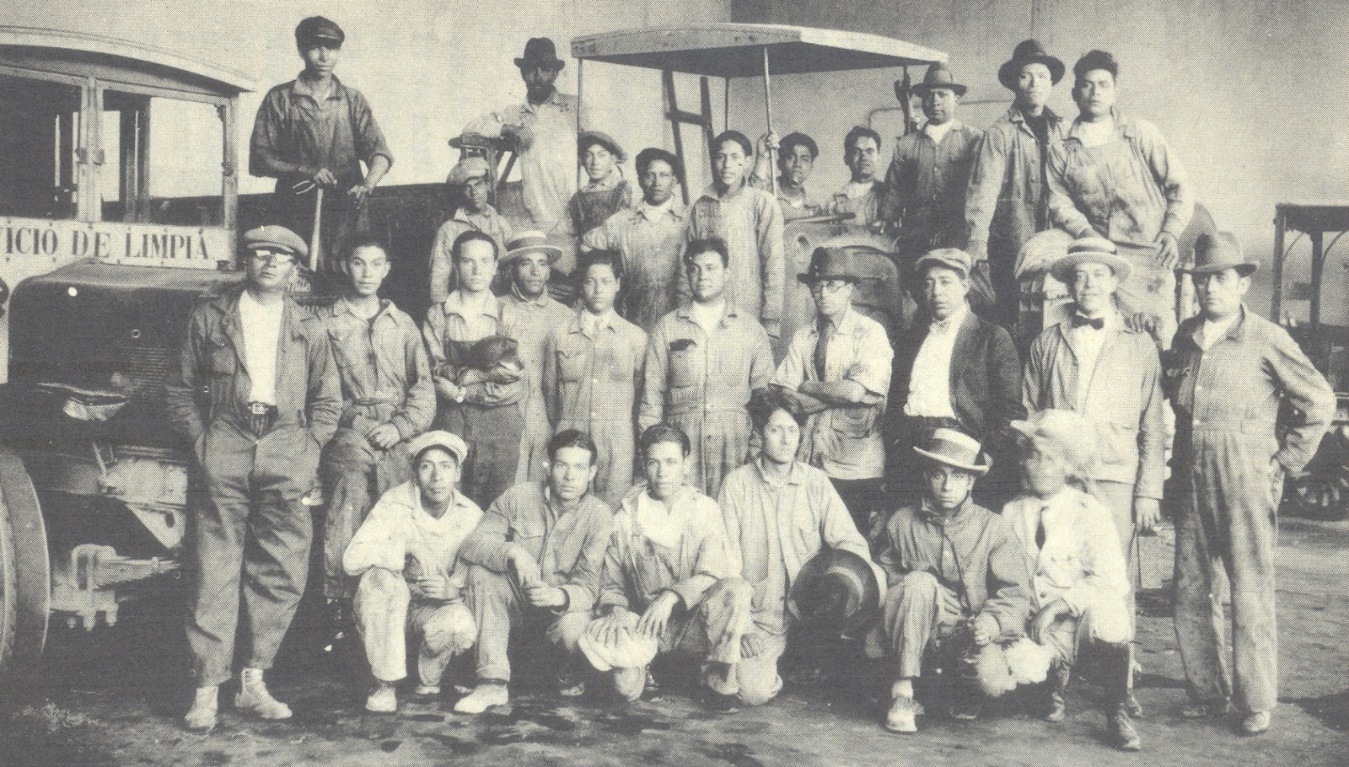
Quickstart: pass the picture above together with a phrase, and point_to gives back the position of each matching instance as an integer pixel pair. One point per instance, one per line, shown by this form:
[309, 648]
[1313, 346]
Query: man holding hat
[314, 133]
[406, 555]
[925, 185]
[780, 513]
[953, 369]
[1006, 201]
[956, 578]
[838, 368]
[1110, 374]
[703, 363]
[469, 184]
[534, 314]
[1229, 375]
[650, 237]
[257, 393]
[1079, 589]
[544, 130]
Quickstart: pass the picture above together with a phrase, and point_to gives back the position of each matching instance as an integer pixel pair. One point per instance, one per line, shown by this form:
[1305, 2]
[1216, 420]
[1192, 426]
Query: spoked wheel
[25, 569]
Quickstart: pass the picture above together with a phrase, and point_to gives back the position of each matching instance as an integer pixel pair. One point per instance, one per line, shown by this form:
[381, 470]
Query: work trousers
[917, 611]
[493, 435]
[1104, 624]
[354, 475]
[1227, 517]
[386, 610]
[250, 541]
[719, 445]
[499, 605]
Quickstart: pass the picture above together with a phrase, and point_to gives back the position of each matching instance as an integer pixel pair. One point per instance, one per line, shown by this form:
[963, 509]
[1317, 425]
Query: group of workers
[653, 470]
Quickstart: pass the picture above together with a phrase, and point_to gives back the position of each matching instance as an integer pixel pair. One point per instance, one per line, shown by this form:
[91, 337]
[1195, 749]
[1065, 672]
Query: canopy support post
[768, 108]
[580, 68]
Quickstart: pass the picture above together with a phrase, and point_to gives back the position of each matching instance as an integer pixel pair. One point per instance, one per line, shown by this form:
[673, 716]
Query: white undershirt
[707, 316]
[938, 132]
[858, 189]
[656, 521]
[262, 333]
[1095, 134]
[930, 382]
[1215, 330]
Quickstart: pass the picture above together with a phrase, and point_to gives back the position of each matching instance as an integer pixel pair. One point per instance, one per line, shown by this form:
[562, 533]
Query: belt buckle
[257, 408]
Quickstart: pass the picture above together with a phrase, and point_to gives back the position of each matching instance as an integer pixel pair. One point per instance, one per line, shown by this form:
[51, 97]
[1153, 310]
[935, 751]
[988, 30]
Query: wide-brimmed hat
[468, 169]
[835, 588]
[939, 75]
[531, 242]
[951, 258]
[589, 138]
[273, 237]
[830, 264]
[438, 438]
[1028, 52]
[1066, 429]
[956, 449]
[540, 51]
[1090, 250]
[1218, 252]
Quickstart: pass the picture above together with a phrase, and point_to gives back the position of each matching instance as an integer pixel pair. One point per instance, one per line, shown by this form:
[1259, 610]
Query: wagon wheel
[1319, 496]
[26, 565]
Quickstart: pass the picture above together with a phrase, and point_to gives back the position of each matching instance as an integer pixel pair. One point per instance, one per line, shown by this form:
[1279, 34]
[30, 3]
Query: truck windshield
[39, 141]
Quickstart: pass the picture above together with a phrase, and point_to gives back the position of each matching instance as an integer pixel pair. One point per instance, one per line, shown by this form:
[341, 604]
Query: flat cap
[451, 443]
[589, 138]
[950, 258]
[466, 169]
[317, 28]
[276, 238]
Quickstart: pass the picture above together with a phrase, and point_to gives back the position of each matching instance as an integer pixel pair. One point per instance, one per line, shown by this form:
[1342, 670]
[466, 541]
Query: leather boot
[1059, 673]
[1119, 722]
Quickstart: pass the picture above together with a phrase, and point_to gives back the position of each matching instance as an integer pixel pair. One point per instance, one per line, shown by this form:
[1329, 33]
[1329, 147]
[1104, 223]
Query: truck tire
[27, 532]
[9, 593]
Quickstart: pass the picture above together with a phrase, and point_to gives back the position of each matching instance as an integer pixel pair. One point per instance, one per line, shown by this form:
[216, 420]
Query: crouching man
[957, 580]
[1078, 585]
[666, 584]
[537, 558]
[406, 555]
[771, 500]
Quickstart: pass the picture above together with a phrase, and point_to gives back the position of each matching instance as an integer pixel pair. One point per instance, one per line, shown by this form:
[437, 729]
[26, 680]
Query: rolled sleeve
[873, 365]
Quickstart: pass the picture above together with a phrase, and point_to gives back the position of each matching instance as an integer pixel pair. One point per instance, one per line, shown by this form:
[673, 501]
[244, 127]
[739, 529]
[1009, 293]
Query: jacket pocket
[220, 355]
[682, 371]
[571, 364]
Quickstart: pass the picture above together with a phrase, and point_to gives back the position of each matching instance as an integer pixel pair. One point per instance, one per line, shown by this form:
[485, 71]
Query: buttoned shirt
[453, 322]
[548, 163]
[863, 199]
[926, 186]
[750, 222]
[488, 221]
[529, 321]
[296, 134]
[591, 378]
[1006, 200]
[650, 239]
[1087, 342]
[690, 371]
[637, 569]
[930, 383]
[776, 525]
[383, 366]
[261, 324]
[1082, 561]
[970, 552]
[401, 535]
[845, 441]
[568, 545]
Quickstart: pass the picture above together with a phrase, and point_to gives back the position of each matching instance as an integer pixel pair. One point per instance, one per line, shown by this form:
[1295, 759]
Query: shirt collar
[655, 212]
[455, 305]
[952, 323]
[344, 306]
[926, 510]
[462, 215]
[302, 87]
[541, 301]
[1123, 125]
[795, 476]
[1015, 115]
[846, 324]
[955, 124]
[1236, 331]
[685, 311]
[711, 191]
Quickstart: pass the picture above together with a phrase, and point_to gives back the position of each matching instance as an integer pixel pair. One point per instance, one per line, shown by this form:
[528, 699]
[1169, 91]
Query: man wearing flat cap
[469, 185]
[956, 578]
[925, 185]
[544, 129]
[1110, 374]
[606, 191]
[1006, 201]
[650, 238]
[838, 368]
[257, 393]
[406, 556]
[1229, 375]
[314, 133]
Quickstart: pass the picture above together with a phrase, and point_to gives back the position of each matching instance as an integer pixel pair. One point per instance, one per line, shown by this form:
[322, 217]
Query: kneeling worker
[667, 582]
[957, 576]
[537, 558]
[406, 555]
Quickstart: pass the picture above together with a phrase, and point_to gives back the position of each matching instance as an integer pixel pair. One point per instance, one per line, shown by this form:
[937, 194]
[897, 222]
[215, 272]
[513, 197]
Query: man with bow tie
[1109, 374]
[954, 370]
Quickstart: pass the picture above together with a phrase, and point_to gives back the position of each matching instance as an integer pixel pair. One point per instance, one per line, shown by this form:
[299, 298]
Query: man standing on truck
[312, 134]
[257, 393]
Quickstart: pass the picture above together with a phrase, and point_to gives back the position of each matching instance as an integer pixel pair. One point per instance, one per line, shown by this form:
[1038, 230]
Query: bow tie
[1096, 322]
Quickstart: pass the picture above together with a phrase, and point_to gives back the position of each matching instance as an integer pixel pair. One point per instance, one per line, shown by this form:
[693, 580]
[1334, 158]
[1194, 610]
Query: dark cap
[540, 51]
[590, 138]
[275, 237]
[830, 264]
[319, 29]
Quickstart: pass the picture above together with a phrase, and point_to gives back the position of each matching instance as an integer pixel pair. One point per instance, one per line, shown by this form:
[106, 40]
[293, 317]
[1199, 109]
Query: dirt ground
[114, 697]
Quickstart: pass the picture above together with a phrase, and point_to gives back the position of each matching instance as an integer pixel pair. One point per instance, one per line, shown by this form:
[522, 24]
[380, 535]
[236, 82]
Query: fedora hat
[830, 264]
[1066, 429]
[836, 588]
[1218, 252]
[939, 76]
[956, 449]
[531, 242]
[1090, 250]
[1028, 52]
[540, 51]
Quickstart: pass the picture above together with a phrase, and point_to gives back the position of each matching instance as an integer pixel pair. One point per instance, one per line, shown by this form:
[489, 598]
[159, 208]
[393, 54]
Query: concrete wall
[1249, 92]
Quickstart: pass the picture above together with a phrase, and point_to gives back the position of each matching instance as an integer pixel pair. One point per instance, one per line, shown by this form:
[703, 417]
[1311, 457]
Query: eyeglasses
[272, 257]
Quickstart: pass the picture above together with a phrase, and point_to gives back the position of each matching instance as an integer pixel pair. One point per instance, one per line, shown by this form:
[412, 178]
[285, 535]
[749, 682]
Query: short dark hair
[737, 137]
[572, 438]
[664, 432]
[652, 154]
[590, 258]
[1093, 60]
[796, 139]
[765, 402]
[470, 236]
[858, 133]
[367, 240]
[708, 245]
